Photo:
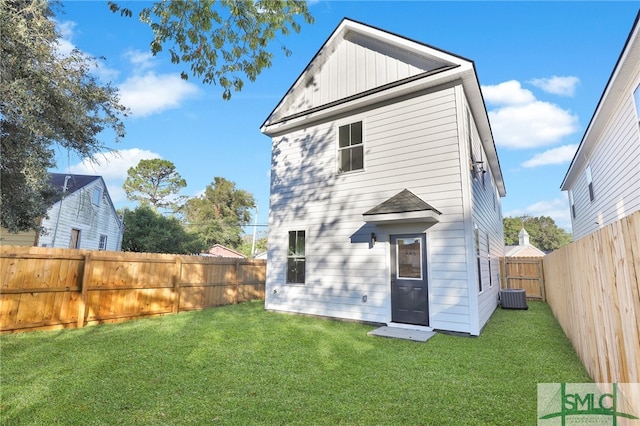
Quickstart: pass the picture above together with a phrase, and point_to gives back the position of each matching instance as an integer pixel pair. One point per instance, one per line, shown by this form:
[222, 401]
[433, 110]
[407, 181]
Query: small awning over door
[404, 207]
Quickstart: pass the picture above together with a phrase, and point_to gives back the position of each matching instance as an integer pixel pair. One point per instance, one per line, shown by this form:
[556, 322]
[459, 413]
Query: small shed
[524, 247]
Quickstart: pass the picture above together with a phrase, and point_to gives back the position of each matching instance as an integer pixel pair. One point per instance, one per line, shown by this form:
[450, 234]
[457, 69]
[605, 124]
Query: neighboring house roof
[218, 250]
[403, 206]
[69, 183]
[524, 248]
[624, 68]
[74, 183]
[429, 67]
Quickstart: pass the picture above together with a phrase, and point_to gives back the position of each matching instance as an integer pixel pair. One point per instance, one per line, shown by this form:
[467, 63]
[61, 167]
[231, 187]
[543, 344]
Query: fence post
[237, 282]
[177, 276]
[541, 280]
[84, 283]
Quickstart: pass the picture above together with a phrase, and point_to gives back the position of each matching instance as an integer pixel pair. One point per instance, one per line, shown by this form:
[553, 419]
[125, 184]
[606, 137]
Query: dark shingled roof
[405, 201]
[74, 183]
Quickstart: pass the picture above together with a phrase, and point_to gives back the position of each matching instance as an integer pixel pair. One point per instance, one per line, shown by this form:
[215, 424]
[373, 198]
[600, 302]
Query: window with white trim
[572, 204]
[350, 147]
[476, 234]
[489, 260]
[102, 245]
[296, 259]
[590, 183]
[97, 195]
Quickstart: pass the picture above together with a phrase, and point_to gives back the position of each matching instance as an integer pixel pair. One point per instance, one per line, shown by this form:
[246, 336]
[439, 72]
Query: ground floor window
[103, 242]
[296, 257]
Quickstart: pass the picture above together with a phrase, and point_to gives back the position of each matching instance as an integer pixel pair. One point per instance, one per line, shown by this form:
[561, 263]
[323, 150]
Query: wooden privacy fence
[45, 288]
[593, 288]
[523, 272]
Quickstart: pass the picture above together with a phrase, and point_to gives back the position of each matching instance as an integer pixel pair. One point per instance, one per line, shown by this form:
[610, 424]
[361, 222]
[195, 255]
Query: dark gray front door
[409, 279]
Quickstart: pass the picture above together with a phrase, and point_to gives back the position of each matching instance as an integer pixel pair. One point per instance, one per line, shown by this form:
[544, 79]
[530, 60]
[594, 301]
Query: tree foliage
[155, 183]
[222, 41]
[260, 245]
[46, 100]
[543, 232]
[220, 213]
[149, 232]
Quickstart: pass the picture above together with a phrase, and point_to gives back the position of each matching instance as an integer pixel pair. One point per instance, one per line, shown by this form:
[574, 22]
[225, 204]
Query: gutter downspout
[64, 190]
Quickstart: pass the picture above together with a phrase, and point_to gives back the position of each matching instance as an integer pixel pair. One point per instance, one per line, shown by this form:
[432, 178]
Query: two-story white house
[603, 180]
[83, 215]
[386, 187]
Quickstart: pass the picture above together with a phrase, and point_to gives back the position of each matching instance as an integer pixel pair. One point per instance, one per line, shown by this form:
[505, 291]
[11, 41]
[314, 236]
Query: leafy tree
[46, 100]
[222, 41]
[155, 183]
[543, 232]
[150, 232]
[220, 213]
[247, 243]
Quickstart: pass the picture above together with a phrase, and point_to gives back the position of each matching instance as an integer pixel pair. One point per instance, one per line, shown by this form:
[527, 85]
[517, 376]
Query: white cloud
[521, 121]
[557, 209]
[151, 93]
[531, 125]
[507, 93]
[140, 60]
[563, 86]
[113, 166]
[64, 43]
[560, 155]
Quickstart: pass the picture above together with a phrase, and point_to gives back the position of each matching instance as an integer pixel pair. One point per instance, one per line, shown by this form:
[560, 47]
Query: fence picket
[593, 290]
[45, 288]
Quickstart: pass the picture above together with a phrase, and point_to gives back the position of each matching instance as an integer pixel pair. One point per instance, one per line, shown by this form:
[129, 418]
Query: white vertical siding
[78, 212]
[352, 68]
[614, 163]
[410, 144]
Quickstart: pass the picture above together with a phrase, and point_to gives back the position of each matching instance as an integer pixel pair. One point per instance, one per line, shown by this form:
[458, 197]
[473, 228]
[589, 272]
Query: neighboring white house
[524, 247]
[385, 187]
[603, 180]
[83, 216]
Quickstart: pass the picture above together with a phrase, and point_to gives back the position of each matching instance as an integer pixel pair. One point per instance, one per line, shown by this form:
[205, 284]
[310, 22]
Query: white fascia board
[426, 216]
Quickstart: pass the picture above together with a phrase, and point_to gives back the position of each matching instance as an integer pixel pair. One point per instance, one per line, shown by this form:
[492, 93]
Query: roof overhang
[404, 207]
[428, 216]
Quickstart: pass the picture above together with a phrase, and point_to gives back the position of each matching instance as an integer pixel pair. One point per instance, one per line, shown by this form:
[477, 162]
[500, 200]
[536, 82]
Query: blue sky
[542, 66]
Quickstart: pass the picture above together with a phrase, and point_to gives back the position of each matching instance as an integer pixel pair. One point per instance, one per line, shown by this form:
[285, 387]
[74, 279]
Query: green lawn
[242, 365]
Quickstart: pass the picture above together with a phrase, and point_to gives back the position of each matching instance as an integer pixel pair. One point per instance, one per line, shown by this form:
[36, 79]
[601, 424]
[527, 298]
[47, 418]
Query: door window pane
[409, 258]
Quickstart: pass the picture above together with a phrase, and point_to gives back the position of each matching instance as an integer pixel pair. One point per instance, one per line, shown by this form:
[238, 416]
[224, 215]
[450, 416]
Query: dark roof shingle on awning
[403, 207]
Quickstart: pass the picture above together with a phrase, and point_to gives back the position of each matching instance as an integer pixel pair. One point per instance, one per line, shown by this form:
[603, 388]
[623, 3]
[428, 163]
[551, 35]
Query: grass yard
[242, 365]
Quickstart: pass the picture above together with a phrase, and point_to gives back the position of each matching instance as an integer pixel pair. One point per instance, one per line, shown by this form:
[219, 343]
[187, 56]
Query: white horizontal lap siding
[487, 215]
[616, 183]
[341, 265]
[78, 212]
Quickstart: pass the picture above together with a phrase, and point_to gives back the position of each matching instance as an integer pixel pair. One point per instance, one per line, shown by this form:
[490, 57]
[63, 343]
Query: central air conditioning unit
[513, 298]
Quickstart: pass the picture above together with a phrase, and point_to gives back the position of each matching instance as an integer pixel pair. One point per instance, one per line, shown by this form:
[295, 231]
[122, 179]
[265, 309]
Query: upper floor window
[97, 194]
[350, 147]
[590, 183]
[572, 204]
